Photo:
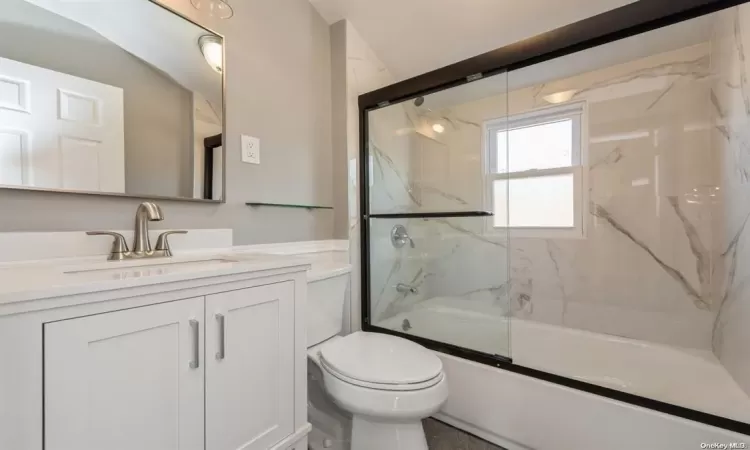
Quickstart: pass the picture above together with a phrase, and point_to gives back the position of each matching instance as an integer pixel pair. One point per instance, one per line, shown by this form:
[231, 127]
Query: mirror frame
[223, 198]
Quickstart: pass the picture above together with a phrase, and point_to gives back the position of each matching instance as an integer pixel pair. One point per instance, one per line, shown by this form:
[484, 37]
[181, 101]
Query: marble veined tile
[451, 258]
[730, 110]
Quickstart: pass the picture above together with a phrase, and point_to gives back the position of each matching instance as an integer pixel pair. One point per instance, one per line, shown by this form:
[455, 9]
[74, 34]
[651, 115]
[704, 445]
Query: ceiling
[416, 36]
[666, 39]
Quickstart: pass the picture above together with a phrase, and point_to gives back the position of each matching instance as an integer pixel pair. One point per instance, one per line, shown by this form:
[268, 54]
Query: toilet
[384, 385]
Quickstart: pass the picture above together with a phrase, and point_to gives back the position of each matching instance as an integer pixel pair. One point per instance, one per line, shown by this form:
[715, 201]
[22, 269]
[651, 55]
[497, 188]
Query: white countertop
[65, 276]
[72, 276]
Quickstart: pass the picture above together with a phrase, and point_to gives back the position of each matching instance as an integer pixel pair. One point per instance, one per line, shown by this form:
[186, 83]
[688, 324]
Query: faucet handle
[162, 244]
[119, 246]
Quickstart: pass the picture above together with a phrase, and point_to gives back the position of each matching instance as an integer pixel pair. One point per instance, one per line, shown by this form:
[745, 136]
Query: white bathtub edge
[507, 408]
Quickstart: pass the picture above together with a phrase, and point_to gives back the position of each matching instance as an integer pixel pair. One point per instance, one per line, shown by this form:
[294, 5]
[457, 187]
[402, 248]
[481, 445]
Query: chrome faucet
[146, 212]
[400, 237]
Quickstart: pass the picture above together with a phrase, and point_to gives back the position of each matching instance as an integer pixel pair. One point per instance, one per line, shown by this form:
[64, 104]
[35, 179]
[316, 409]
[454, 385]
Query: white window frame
[576, 112]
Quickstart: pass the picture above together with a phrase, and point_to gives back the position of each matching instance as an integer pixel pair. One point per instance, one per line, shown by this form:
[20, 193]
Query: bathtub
[511, 409]
[482, 329]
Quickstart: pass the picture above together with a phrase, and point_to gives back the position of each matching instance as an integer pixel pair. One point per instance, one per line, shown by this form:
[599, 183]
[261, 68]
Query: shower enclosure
[574, 208]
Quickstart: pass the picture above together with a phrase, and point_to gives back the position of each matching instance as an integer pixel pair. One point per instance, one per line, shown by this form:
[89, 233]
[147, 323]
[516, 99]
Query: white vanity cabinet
[127, 379]
[213, 364]
[250, 367]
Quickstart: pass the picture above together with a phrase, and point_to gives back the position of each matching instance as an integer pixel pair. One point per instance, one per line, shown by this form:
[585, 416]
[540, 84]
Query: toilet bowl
[388, 385]
[366, 391]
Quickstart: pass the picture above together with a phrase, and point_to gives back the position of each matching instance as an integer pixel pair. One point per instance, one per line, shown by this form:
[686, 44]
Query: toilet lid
[381, 359]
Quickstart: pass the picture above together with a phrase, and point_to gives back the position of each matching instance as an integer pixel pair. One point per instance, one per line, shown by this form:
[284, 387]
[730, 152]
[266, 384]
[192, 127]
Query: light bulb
[438, 128]
[213, 51]
[560, 97]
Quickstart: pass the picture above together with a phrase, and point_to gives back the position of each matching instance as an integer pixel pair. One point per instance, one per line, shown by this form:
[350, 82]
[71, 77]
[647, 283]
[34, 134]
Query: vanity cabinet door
[130, 379]
[250, 367]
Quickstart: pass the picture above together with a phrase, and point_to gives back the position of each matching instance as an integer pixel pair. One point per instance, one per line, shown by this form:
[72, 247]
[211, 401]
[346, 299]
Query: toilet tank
[327, 292]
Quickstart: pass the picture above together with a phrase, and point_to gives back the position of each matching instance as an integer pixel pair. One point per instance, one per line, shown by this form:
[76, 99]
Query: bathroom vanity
[200, 351]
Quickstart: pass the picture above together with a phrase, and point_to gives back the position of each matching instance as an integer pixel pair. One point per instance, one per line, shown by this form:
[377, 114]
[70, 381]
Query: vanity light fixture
[560, 97]
[214, 8]
[213, 50]
[438, 128]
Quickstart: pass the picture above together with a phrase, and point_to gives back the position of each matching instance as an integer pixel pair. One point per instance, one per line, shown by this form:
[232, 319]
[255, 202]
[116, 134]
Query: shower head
[418, 101]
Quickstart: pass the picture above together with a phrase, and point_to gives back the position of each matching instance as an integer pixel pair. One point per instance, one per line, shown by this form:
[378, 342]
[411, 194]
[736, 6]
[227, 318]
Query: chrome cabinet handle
[220, 354]
[195, 327]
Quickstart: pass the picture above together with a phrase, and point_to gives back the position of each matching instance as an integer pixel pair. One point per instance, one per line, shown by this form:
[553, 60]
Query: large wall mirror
[116, 98]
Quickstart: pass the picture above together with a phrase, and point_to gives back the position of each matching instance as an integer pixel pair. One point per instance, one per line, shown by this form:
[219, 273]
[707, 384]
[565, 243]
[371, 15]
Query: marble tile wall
[666, 253]
[436, 265]
[644, 269]
[392, 266]
[452, 257]
[730, 113]
[363, 72]
[391, 138]
[400, 144]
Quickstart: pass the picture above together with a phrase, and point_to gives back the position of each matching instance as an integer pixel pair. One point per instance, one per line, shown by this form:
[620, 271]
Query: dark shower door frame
[629, 20]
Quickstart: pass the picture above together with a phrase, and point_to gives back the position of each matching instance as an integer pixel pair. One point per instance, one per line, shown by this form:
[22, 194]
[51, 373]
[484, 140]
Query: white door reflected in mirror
[75, 126]
[87, 104]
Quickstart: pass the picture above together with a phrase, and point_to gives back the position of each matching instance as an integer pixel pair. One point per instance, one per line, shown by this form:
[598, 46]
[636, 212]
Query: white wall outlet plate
[250, 149]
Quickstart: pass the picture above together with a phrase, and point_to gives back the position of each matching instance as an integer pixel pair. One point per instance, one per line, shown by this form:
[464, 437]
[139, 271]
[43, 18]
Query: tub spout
[403, 288]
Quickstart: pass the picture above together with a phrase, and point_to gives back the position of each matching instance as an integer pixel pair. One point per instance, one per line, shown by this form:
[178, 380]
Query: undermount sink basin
[151, 267]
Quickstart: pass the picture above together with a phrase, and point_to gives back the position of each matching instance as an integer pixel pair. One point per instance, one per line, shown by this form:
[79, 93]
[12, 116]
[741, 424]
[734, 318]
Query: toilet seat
[381, 362]
[381, 386]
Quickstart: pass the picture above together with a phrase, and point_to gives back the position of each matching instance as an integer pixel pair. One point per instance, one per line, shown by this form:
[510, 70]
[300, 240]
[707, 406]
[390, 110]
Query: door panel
[14, 150]
[123, 380]
[73, 127]
[250, 385]
[14, 94]
[79, 163]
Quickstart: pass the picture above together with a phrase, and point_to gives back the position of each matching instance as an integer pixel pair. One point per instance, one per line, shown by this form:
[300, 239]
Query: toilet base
[369, 434]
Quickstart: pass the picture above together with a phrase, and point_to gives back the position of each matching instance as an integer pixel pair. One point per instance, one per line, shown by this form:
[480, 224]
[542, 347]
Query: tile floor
[444, 437]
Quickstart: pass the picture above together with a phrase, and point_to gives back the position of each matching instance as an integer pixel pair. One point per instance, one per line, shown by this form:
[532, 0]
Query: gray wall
[278, 89]
[157, 110]
[339, 105]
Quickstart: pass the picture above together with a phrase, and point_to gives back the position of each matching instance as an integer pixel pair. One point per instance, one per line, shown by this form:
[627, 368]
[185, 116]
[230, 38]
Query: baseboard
[296, 441]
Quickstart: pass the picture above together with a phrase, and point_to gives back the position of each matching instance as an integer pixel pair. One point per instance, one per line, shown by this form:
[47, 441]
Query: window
[535, 165]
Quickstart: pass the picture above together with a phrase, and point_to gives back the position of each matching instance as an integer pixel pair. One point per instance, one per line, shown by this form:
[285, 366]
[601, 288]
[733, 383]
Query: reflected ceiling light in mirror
[211, 47]
[438, 128]
[214, 8]
[560, 97]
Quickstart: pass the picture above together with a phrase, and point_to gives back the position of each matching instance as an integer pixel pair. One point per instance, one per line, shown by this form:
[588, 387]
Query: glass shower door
[438, 258]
